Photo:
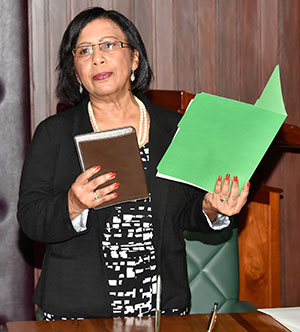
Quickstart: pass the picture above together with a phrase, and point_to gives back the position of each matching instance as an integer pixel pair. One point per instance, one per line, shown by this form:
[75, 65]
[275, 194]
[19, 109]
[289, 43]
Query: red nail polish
[117, 185]
[220, 178]
[96, 168]
[227, 177]
[116, 194]
[112, 175]
[235, 178]
[248, 184]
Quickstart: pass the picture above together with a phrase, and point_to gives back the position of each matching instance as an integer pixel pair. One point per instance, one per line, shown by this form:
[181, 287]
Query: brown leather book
[115, 151]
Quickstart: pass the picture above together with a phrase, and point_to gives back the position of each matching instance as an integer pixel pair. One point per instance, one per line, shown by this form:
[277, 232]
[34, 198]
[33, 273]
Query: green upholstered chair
[213, 271]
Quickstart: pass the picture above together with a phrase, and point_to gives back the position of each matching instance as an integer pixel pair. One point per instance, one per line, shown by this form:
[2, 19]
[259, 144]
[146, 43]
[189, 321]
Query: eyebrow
[106, 38]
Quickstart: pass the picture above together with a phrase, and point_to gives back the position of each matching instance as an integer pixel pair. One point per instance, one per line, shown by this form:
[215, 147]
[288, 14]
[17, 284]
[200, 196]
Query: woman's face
[104, 73]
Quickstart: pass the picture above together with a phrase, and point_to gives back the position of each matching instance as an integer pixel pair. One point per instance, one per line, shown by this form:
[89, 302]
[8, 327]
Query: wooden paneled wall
[226, 47]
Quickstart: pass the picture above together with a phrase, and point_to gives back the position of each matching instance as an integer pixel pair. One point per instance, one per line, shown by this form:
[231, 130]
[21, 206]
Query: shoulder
[60, 124]
[54, 122]
[57, 130]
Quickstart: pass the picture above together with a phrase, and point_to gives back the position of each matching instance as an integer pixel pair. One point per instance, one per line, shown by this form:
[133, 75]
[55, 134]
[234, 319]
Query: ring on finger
[223, 199]
[96, 195]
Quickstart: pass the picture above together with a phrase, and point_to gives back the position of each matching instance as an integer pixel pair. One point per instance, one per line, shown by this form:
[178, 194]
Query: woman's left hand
[225, 200]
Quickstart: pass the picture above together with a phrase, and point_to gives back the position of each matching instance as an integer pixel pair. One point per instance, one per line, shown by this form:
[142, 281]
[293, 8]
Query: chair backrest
[213, 270]
[175, 100]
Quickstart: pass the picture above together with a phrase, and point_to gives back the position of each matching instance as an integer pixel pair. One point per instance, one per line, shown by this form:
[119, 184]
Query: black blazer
[73, 282]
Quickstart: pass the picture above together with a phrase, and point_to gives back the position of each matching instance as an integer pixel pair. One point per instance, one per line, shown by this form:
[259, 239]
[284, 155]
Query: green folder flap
[271, 98]
[217, 136]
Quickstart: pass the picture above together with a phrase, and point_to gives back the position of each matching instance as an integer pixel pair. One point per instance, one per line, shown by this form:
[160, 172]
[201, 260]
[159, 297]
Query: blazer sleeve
[193, 217]
[43, 215]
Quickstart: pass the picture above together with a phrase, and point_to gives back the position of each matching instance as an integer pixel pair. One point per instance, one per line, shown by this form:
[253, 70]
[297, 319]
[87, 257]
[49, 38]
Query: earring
[80, 88]
[132, 76]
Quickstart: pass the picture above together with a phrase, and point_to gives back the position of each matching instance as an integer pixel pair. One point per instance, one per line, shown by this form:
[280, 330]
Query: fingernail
[248, 184]
[220, 178]
[116, 194]
[227, 177]
[112, 175]
[96, 168]
[235, 178]
[117, 185]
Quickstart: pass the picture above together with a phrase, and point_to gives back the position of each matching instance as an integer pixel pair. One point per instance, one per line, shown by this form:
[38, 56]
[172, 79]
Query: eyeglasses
[85, 51]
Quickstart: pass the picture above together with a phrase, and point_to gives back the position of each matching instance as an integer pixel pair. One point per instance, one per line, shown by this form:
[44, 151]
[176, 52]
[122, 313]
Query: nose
[98, 56]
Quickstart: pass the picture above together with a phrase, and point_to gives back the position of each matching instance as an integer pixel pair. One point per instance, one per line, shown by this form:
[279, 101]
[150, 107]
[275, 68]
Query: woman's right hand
[83, 194]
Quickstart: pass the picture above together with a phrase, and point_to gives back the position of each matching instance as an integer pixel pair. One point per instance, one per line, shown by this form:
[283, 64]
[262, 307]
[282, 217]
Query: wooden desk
[254, 322]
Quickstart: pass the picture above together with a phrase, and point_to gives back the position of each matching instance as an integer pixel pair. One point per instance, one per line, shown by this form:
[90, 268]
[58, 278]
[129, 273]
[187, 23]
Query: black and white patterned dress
[130, 256]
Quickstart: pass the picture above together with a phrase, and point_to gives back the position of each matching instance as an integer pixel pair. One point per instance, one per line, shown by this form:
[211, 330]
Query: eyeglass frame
[121, 45]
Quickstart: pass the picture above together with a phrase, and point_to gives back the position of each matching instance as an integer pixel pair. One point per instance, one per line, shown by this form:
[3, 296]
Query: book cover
[115, 151]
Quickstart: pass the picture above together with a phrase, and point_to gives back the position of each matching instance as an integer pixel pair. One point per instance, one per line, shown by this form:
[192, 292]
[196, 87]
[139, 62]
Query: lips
[102, 76]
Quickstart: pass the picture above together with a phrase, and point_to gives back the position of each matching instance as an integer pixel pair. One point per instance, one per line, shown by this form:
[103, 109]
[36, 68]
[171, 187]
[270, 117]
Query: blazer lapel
[81, 124]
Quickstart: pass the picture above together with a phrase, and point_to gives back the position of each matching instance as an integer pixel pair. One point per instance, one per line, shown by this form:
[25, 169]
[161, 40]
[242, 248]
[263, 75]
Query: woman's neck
[114, 113]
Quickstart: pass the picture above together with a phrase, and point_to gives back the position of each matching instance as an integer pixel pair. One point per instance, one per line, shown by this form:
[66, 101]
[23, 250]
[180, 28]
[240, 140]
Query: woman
[103, 263]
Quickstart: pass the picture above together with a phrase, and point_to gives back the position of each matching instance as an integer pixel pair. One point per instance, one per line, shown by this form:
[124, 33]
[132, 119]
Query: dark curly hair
[67, 89]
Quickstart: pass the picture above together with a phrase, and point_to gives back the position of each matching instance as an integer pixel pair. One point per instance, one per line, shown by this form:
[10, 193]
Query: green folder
[218, 135]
